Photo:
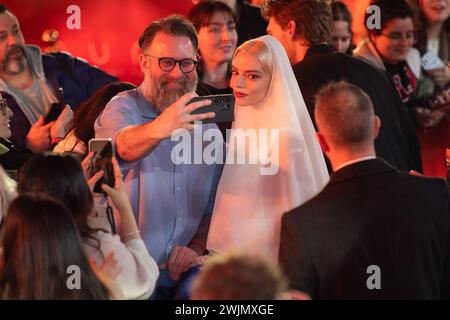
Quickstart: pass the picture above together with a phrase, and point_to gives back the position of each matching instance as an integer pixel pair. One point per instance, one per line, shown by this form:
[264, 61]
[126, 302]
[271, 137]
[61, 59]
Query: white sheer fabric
[250, 203]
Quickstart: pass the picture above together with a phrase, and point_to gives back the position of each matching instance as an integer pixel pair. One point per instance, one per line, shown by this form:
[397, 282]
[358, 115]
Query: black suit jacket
[370, 214]
[397, 142]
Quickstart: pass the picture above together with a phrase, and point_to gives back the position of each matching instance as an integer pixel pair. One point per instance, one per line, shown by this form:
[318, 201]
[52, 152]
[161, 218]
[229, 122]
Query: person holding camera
[62, 177]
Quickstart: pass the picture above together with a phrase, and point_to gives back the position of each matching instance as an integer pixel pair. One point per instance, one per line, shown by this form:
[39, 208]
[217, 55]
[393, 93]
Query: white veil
[249, 205]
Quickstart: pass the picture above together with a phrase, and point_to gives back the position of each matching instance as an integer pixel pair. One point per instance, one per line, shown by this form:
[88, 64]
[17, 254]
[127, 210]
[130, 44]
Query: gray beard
[161, 96]
[14, 67]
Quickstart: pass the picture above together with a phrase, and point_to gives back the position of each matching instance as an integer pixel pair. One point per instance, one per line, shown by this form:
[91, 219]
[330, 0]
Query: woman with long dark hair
[82, 127]
[217, 39]
[41, 242]
[62, 177]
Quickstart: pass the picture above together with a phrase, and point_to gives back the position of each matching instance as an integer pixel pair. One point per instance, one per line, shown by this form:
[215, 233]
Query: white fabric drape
[249, 205]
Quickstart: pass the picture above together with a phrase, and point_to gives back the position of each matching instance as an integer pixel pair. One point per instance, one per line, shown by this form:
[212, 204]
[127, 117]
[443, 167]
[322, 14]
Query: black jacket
[370, 214]
[397, 142]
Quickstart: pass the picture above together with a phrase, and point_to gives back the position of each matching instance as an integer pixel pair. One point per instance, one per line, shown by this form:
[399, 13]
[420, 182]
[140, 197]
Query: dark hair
[174, 25]
[61, 177]
[3, 8]
[313, 18]
[421, 25]
[41, 241]
[341, 13]
[390, 10]
[86, 114]
[345, 112]
[200, 15]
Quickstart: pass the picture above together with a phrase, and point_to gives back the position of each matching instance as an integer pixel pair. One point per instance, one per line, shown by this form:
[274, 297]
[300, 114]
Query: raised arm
[134, 143]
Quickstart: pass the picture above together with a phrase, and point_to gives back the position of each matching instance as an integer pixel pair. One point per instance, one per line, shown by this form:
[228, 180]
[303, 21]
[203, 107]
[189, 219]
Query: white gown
[249, 204]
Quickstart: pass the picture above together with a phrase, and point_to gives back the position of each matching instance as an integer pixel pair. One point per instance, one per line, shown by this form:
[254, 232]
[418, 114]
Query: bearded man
[172, 202]
[30, 82]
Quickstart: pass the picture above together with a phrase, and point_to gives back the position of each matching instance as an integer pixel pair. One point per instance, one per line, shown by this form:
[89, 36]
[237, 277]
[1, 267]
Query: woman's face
[341, 36]
[249, 81]
[217, 41]
[5, 116]
[395, 40]
[435, 10]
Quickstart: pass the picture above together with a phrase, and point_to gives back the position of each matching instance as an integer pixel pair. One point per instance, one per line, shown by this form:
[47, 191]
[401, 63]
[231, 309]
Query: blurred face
[395, 40]
[5, 116]
[166, 87]
[217, 41]
[341, 36]
[249, 81]
[12, 57]
[435, 10]
[275, 30]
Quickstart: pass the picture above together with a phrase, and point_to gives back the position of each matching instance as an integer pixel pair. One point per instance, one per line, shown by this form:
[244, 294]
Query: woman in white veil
[284, 170]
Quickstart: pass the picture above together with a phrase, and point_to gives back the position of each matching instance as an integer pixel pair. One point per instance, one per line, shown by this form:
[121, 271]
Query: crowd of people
[332, 186]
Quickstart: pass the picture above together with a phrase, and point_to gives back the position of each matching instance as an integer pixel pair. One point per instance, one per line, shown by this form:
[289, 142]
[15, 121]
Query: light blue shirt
[169, 201]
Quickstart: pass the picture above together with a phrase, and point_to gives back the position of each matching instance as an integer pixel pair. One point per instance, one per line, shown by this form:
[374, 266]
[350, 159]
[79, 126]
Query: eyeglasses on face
[167, 64]
[397, 36]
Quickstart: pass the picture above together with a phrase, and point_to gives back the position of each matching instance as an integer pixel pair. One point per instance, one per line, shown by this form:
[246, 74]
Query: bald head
[345, 116]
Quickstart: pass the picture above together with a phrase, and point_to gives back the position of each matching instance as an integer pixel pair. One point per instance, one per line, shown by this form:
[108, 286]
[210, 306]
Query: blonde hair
[261, 51]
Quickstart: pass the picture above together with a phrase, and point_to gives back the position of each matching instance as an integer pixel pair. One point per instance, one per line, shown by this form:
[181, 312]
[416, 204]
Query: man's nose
[176, 71]
[12, 40]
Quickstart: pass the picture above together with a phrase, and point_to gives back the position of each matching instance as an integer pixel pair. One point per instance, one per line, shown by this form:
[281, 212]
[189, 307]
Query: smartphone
[55, 109]
[102, 160]
[222, 105]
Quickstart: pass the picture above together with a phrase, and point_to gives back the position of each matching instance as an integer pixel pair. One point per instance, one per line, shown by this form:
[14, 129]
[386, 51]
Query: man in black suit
[373, 232]
[304, 29]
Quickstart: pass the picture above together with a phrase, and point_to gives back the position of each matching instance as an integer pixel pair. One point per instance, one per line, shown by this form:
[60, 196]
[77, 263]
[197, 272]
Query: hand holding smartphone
[55, 110]
[102, 161]
[222, 105]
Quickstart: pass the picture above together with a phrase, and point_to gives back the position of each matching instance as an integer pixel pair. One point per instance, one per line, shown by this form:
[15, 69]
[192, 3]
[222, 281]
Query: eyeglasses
[168, 64]
[397, 37]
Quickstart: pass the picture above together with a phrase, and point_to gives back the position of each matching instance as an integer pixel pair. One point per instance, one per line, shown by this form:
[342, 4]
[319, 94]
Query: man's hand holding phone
[178, 116]
[60, 127]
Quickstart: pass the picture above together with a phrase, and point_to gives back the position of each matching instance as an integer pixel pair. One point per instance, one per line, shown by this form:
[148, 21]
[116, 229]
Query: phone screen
[101, 160]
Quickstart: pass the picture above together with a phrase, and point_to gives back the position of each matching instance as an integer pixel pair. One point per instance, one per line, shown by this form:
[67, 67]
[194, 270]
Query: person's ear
[291, 26]
[323, 142]
[376, 127]
[143, 62]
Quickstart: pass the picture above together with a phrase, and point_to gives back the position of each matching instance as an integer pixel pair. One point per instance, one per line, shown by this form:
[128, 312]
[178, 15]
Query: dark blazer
[370, 214]
[397, 142]
[250, 22]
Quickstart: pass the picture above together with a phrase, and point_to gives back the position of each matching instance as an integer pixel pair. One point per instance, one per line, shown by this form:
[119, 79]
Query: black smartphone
[56, 108]
[102, 160]
[222, 105]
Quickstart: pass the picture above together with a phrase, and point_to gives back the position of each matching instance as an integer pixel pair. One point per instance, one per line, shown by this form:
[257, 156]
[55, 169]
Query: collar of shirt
[347, 163]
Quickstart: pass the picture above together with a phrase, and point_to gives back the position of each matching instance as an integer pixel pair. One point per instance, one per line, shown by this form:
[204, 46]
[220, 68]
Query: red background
[109, 28]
